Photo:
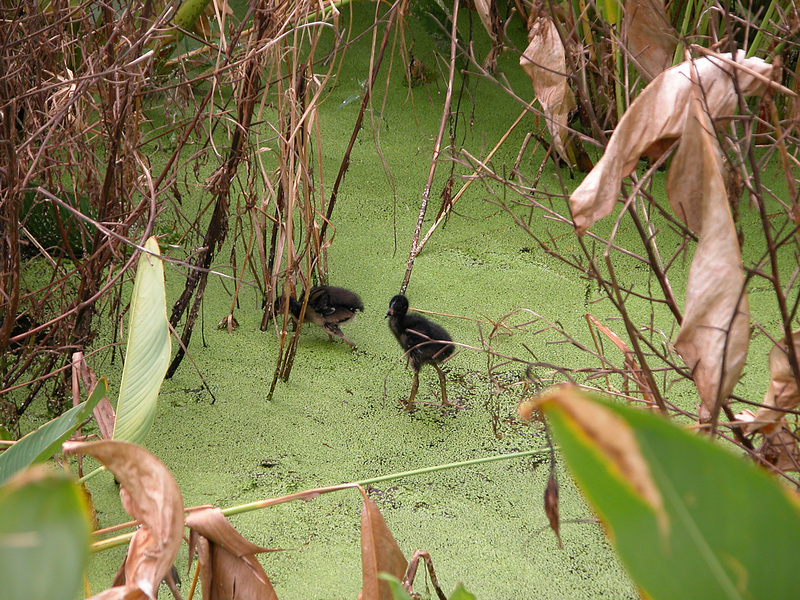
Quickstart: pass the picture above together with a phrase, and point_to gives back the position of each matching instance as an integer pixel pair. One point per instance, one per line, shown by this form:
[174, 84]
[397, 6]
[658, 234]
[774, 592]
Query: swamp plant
[111, 115]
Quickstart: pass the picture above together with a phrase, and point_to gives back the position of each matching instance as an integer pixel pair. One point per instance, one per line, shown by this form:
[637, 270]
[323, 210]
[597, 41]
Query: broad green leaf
[44, 536]
[148, 350]
[41, 444]
[610, 11]
[460, 593]
[397, 589]
[185, 18]
[188, 13]
[400, 593]
[730, 531]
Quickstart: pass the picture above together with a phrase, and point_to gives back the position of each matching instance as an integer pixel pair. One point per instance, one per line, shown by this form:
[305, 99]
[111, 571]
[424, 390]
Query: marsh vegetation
[536, 177]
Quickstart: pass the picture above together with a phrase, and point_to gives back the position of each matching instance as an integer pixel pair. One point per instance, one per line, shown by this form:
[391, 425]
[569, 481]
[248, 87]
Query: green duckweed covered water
[339, 419]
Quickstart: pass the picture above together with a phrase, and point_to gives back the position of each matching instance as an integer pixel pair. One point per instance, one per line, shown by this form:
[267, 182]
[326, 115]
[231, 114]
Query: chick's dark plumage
[328, 307]
[424, 342]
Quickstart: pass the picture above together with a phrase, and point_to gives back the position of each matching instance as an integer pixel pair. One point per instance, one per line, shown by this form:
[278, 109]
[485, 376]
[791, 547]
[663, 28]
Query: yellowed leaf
[650, 38]
[229, 569]
[655, 119]
[379, 553]
[782, 392]
[544, 62]
[149, 494]
[715, 332]
[612, 437]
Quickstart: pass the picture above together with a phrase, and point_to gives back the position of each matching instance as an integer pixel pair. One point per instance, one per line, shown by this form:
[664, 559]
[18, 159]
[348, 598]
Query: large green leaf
[712, 525]
[610, 10]
[44, 536]
[147, 353]
[400, 593]
[41, 444]
[187, 14]
[461, 593]
[397, 589]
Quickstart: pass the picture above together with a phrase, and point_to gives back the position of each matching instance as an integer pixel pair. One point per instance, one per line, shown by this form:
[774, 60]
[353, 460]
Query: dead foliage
[657, 118]
[715, 332]
[545, 63]
[150, 495]
[379, 553]
[650, 38]
[229, 569]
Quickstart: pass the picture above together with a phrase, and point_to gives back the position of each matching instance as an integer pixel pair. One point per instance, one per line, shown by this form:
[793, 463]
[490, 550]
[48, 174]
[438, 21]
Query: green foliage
[45, 222]
[189, 12]
[185, 18]
[763, 37]
[44, 536]
[41, 444]
[460, 593]
[400, 593]
[148, 350]
[610, 11]
[730, 529]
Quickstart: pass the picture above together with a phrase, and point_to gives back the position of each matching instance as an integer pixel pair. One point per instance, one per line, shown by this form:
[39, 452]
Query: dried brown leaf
[782, 392]
[551, 506]
[634, 370]
[613, 438]
[484, 10]
[651, 39]
[105, 417]
[379, 553]
[490, 18]
[655, 119]
[780, 448]
[229, 569]
[715, 332]
[544, 62]
[103, 411]
[149, 494]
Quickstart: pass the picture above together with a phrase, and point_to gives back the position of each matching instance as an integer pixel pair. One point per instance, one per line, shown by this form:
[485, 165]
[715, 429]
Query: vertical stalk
[436, 149]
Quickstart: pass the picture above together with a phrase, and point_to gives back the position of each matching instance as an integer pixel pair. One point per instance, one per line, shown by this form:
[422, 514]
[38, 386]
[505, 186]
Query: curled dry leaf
[780, 448]
[715, 332]
[551, 506]
[229, 569]
[379, 553]
[103, 411]
[612, 437]
[651, 39]
[656, 119]
[149, 494]
[782, 393]
[544, 62]
[490, 18]
[633, 370]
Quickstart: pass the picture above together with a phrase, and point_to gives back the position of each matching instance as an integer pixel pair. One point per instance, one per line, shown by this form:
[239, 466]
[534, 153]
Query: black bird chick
[328, 307]
[425, 342]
